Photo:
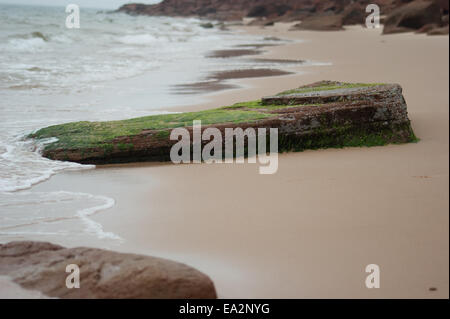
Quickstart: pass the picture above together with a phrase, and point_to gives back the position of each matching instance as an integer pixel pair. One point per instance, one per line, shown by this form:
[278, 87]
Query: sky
[104, 4]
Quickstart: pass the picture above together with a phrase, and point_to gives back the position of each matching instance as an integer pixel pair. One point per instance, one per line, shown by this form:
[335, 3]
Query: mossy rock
[320, 115]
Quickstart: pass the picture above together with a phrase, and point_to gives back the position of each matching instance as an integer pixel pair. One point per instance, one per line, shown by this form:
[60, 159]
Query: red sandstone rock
[439, 31]
[103, 274]
[413, 16]
[324, 22]
[427, 28]
[354, 14]
[281, 10]
[403, 15]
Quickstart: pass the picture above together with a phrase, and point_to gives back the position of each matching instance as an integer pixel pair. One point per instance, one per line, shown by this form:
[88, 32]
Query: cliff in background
[402, 15]
[286, 10]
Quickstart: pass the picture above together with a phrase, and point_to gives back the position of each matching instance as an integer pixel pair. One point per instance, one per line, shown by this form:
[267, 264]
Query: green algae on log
[320, 115]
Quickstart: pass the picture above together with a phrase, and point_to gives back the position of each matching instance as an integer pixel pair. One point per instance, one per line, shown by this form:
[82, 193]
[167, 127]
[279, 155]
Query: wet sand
[279, 61]
[233, 53]
[310, 230]
[217, 81]
[247, 73]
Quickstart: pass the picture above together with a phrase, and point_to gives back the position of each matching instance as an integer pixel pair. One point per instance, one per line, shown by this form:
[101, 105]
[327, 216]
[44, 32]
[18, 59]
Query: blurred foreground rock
[41, 267]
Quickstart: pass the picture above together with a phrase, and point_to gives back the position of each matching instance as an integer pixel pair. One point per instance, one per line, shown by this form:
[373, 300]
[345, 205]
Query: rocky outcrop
[403, 15]
[419, 15]
[333, 19]
[438, 31]
[320, 115]
[41, 267]
[323, 22]
[282, 10]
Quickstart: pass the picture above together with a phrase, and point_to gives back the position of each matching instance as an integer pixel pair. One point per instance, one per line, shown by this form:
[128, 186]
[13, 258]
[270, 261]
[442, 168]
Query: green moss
[163, 134]
[349, 136]
[412, 137]
[251, 104]
[328, 87]
[107, 148]
[258, 105]
[125, 146]
[94, 134]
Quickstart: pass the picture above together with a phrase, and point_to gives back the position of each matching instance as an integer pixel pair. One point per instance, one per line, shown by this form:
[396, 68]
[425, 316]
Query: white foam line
[93, 226]
[44, 174]
[83, 214]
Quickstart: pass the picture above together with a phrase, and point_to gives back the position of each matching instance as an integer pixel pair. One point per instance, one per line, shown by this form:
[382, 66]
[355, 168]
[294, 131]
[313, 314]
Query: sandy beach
[309, 230]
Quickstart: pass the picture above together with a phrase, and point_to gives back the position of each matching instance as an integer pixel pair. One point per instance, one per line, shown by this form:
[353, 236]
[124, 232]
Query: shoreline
[282, 244]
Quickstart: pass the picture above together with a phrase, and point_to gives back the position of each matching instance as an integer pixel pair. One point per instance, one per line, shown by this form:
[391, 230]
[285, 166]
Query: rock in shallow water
[42, 266]
[320, 115]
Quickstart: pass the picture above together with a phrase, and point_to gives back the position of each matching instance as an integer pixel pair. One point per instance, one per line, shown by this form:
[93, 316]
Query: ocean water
[115, 66]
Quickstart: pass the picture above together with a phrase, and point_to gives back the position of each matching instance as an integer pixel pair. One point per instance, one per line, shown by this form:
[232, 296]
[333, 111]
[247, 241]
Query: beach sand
[309, 230]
